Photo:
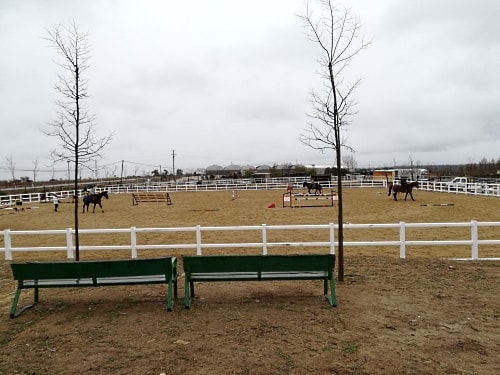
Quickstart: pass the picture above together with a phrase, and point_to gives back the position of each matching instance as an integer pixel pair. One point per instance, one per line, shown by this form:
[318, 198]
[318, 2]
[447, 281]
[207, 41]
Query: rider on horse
[404, 182]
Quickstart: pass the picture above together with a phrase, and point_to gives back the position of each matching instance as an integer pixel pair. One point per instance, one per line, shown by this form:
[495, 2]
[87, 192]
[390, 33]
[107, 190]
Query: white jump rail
[199, 245]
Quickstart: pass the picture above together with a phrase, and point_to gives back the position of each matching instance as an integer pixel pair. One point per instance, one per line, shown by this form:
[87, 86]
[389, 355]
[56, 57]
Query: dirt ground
[422, 315]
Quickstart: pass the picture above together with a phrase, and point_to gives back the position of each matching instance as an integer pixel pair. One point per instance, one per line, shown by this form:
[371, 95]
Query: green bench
[202, 268]
[37, 275]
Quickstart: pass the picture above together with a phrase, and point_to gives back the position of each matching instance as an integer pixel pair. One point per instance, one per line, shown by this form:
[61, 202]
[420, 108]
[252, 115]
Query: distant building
[395, 174]
[232, 171]
[214, 171]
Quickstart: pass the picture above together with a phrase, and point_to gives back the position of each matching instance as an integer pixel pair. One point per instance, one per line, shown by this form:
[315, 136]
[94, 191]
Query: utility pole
[173, 163]
[121, 175]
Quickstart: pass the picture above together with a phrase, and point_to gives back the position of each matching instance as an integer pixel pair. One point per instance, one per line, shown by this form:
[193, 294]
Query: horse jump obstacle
[291, 199]
[150, 197]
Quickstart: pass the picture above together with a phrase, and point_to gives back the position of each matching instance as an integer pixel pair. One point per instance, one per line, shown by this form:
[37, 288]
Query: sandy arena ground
[423, 315]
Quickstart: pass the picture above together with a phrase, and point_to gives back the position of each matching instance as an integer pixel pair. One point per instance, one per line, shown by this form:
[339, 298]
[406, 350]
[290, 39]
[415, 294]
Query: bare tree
[349, 162]
[336, 32]
[35, 169]
[52, 169]
[74, 125]
[411, 163]
[12, 167]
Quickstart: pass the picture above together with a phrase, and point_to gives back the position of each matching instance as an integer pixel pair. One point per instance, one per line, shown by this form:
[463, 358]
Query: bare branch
[335, 32]
[74, 125]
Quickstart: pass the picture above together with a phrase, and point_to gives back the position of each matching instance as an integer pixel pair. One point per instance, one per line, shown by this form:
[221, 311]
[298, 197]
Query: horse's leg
[101, 208]
[395, 196]
[411, 195]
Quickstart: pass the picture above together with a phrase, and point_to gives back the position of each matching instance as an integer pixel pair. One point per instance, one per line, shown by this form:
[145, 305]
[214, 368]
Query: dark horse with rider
[405, 187]
[95, 199]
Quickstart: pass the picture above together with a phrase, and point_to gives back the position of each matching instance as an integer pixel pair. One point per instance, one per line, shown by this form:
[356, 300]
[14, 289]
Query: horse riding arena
[425, 314]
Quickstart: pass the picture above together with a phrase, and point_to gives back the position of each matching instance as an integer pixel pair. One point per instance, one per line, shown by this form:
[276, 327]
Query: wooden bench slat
[44, 283]
[224, 276]
[131, 280]
[299, 275]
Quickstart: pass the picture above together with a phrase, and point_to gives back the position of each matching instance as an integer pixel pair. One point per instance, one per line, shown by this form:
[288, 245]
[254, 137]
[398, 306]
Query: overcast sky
[228, 82]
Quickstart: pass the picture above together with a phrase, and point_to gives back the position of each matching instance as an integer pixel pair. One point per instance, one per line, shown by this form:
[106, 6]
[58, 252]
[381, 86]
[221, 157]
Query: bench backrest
[220, 263]
[92, 269]
[290, 263]
[262, 263]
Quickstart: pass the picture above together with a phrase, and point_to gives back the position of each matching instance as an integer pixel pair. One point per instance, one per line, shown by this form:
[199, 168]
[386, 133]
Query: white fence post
[402, 239]
[332, 238]
[133, 242]
[198, 240]
[474, 238]
[7, 244]
[69, 243]
[264, 239]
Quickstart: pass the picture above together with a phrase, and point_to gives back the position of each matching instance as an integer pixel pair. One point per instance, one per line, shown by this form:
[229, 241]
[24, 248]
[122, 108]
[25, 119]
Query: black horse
[95, 199]
[407, 189]
[318, 189]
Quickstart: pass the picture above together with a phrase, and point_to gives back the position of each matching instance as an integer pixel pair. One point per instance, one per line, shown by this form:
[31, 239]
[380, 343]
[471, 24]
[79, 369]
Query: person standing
[56, 202]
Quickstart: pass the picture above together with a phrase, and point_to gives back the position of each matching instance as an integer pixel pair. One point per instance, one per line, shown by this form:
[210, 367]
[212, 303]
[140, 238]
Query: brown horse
[407, 189]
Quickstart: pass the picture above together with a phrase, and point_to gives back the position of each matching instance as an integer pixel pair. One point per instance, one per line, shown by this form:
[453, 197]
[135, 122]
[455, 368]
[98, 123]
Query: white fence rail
[273, 184]
[484, 189]
[218, 185]
[199, 245]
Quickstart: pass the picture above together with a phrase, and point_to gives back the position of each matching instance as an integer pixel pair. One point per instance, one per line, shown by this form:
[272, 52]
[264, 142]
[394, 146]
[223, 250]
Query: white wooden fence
[273, 184]
[218, 185]
[199, 245]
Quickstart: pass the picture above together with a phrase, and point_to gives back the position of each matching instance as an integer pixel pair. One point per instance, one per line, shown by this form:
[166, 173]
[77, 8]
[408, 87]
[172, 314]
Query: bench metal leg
[36, 295]
[332, 298]
[187, 291]
[13, 313]
[169, 296]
